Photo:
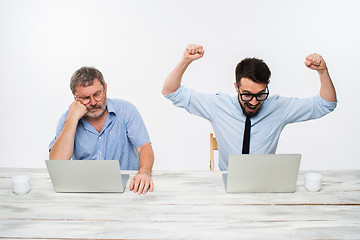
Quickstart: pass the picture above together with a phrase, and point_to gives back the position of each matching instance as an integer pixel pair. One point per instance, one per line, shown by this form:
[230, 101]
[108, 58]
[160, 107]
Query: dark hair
[85, 77]
[254, 69]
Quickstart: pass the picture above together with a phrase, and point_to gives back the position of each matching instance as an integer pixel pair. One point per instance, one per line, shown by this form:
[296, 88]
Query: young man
[250, 122]
[96, 127]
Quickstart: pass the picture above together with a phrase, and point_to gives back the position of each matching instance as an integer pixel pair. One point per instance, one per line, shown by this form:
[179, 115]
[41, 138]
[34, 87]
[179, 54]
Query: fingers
[193, 52]
[195, 49]
[132, 184]
[315, 61]
[151, 185]
[77, 109]
[141, 183]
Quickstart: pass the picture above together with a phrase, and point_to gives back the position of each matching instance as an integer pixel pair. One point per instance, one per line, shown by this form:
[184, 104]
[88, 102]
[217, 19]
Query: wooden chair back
[213, 147]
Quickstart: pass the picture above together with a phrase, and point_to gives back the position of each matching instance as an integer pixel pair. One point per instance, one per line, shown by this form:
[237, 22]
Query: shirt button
[99, 137]
[100, 153]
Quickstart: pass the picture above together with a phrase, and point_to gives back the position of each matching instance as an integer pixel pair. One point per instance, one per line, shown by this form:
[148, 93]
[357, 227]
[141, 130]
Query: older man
[95, 127]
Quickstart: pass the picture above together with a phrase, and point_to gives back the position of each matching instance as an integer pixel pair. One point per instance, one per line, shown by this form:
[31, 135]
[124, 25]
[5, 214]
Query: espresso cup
[312, 181]
[21, 184]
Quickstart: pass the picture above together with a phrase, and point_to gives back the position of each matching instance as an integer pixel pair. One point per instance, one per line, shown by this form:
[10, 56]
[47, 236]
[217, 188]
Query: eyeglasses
[247, 97]
[96, 96]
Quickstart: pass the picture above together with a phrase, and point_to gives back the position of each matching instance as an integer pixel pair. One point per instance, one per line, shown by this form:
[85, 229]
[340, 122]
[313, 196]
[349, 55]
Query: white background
[135, 44]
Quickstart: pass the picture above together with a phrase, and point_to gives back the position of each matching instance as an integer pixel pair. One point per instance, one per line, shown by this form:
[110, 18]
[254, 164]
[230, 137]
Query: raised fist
[193, 52]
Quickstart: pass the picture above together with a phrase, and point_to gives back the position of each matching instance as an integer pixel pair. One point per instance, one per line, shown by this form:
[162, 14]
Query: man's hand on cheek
[77, 110]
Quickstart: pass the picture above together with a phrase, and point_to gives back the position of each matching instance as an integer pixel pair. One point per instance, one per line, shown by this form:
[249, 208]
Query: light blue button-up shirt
[228, 120]
[123, 132]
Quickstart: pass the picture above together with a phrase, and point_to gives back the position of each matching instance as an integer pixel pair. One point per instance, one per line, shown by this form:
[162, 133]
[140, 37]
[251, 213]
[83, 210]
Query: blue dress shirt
[228, 120]
[123, 132]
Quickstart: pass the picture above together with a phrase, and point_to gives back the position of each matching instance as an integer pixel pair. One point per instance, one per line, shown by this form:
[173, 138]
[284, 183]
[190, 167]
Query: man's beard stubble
[102, 110]
[248, 114]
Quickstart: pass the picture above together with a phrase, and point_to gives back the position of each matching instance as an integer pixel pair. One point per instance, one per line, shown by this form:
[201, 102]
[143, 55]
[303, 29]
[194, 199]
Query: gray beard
[102, 110]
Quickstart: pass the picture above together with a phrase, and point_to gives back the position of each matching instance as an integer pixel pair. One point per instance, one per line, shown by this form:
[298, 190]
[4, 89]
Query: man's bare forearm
[173, 81]
[146, 158]
[63, 147]
[327, 89]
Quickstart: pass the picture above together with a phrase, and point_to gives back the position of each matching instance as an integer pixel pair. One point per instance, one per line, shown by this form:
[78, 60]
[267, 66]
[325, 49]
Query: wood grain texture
[184, 205]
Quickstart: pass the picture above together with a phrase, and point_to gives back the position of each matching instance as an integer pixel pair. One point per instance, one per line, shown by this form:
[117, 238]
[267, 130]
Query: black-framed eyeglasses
[247, 97]
[97, 97]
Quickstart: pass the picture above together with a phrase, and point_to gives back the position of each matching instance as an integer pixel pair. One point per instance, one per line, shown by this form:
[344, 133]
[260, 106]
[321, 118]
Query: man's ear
[105, 87]
[236, 87]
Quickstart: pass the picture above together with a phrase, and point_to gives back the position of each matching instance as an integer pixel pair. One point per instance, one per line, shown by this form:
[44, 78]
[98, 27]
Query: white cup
[312, 181]
[21, 184]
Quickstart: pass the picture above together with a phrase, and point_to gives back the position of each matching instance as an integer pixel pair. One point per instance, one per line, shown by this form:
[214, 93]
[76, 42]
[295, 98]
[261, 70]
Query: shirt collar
[111, 112]
[110, 106]
[237, 105]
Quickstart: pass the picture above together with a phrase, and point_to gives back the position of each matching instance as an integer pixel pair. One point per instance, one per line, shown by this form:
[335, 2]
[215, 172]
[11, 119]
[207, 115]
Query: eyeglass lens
[97, 97]
[249, 97]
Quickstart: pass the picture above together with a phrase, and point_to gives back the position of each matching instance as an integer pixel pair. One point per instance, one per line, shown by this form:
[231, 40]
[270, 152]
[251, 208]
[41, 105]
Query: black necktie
[246, 140]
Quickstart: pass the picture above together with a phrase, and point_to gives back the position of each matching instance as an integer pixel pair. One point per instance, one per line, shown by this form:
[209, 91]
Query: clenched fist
[77, 110]
[315, 62]
[193, 52]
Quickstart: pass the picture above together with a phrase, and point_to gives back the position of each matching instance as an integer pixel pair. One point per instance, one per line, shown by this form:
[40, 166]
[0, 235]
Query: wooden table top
[184, 205]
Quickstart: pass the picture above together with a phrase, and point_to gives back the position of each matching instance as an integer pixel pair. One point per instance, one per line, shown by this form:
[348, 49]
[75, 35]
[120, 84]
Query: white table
[184, 205]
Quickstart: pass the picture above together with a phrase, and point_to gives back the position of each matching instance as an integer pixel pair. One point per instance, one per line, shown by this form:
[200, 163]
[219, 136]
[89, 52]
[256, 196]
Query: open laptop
[86, 175]
[251, 173]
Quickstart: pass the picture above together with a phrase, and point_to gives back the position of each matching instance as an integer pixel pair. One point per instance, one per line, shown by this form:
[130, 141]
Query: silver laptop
[250, 173]
[86, 175]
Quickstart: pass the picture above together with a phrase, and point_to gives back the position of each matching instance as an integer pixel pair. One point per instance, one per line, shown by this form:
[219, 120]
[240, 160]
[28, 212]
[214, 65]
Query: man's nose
[92, 101]
[254, 101]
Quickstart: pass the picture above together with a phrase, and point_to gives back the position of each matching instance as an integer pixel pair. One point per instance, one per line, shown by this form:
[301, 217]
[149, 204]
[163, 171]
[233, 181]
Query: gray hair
[85, 77]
